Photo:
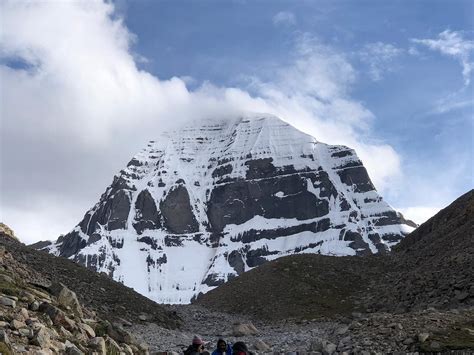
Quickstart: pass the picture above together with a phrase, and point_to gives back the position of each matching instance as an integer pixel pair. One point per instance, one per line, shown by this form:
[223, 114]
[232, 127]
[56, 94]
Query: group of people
[198, 347]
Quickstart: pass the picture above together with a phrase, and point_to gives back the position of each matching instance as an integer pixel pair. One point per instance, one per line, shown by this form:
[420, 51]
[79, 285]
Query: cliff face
[204, 204]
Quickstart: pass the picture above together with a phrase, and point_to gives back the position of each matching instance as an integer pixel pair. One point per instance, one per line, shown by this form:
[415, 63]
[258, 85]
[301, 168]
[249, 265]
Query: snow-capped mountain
[204, 204]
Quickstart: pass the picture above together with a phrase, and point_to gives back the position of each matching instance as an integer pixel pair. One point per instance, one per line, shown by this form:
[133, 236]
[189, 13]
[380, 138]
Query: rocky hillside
[202, 205]
[53, 305]
[433, 266]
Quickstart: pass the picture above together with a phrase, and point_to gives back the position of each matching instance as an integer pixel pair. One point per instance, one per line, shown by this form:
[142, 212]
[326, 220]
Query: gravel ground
[429, 330]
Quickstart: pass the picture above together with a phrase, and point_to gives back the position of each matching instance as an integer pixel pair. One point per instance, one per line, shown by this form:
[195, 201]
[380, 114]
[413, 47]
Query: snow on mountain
[204, 204]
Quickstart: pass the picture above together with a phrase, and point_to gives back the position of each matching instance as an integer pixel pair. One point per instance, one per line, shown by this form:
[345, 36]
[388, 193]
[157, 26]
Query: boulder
[316, 345]
[422, 337]
[342, 330]
[72, 349]
[127, 349]
[112, 346]
[26, 332]
[41, 338]
[329, 348]
[16, 324]
[22, 315]
[68, 298]
[98, 345]
[119, 334]
[6, 301]
[57, 316]
[87, 329]
[244, 329]
[27, 296]
[4, 337]
[34, 306]
[260, 345]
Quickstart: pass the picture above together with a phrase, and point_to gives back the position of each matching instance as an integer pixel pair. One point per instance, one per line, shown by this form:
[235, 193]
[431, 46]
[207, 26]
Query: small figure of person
[239, 348]
[222, 348]
[197, 347]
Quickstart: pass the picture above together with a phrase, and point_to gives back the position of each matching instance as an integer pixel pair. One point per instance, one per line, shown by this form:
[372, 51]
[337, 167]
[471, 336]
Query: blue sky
[84, 84]
[222, 42]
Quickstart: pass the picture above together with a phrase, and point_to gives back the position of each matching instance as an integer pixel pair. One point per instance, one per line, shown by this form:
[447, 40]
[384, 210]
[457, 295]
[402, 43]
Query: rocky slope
[433, 267]
[431, 272]
[41, 314]
[204, 204]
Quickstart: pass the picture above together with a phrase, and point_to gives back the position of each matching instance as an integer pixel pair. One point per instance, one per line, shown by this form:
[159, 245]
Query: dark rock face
[357, 243]
[112, 212]
[71, 244]
[117, 210]
[239, 201]
[236, 261]
[147, 215]
[177, 212]
[356, 176]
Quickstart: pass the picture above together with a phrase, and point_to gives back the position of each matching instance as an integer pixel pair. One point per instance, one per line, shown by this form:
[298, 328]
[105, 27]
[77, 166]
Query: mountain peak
[205, 203]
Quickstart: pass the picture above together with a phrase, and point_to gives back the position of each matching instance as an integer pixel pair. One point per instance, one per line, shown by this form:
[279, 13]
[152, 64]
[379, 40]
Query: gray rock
[73, 350]
[342, 330]
[244, 329]
[422, 337]
[23, 314]
[41, 338]
[68, 298]
[34, 306]
[4, 337]
[42, 352]
[316, 345]
[16, 324]
[119, 334]
[143, 347]
[329, 348]
[112, 346]
[260, 345]
[98, 344]
[57, 316]
[129, 351]
[26, 332]
[6, 301]
[87, 329]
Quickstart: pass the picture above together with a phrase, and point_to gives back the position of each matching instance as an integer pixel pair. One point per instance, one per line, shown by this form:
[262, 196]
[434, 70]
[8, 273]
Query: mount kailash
[205, 203]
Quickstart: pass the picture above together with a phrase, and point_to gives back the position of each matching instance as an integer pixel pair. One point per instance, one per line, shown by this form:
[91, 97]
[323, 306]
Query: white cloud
[451, 103]
[83, 108]
[452, 43]
[284, 18]
[419, 214]
[380, 58]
